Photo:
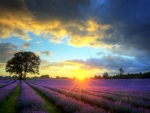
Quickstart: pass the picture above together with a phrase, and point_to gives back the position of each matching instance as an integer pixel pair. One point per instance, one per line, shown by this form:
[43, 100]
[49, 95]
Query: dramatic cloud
[74, 21]
[14, 19]
[130, 21]
[84, 23]
[109, 63]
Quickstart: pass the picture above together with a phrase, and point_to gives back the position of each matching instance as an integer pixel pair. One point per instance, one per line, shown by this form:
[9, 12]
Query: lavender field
[74, 96]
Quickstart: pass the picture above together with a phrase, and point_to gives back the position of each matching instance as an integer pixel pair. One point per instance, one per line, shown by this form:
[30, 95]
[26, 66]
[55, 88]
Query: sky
[77, 37]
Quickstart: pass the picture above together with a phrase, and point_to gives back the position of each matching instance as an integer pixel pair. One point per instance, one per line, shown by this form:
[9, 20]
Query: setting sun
[81, 78]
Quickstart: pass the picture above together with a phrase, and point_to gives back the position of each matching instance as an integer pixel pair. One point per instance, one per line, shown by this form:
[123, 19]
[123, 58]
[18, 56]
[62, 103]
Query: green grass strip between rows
[48, 106]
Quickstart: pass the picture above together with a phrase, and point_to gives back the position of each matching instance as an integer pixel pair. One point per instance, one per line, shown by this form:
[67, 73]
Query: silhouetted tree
[23, 63]
[121, 72]
[105, 75]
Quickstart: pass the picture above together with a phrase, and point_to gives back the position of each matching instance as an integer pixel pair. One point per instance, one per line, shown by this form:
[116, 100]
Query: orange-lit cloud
[13, 20]
[19, 21]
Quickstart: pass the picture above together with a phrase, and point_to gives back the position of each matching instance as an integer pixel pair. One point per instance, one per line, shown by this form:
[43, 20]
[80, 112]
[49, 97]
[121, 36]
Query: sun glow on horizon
[81, 78]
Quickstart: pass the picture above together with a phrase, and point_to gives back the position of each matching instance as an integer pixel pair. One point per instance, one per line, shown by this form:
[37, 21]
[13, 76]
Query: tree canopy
[23, 63]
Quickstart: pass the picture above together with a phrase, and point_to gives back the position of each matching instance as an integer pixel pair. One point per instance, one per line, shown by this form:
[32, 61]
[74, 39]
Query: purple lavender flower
[6, 91]
[29, 100]
[66, 104]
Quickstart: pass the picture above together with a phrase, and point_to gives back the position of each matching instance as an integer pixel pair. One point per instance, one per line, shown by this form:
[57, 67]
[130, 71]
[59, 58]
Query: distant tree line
[105, 76]
[58, 77]
[120, 75]
[132, 76]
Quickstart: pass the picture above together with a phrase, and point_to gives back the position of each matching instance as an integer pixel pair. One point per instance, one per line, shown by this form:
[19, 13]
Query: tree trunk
[20, 76]
[24, 76]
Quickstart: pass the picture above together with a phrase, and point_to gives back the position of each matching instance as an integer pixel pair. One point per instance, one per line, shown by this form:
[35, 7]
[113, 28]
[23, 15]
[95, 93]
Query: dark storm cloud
[130, 22]
[11, 4]
[129, 19]
[130, 27]
[66, 10]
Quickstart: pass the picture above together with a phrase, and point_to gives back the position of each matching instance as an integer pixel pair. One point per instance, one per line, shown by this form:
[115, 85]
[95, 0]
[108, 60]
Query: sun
[81, 78]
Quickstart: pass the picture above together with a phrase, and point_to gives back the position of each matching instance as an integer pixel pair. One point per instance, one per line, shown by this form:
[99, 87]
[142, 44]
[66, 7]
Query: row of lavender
[29, 101]
[102, 86]
[133, 100]
[65, 103]
[4, 80]
[116, 92]
[113, 106]
[4, 83]
[93, 85]
[6, 91]
[117, 105]
[103, 100]
[70, 101]
[109, 94]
